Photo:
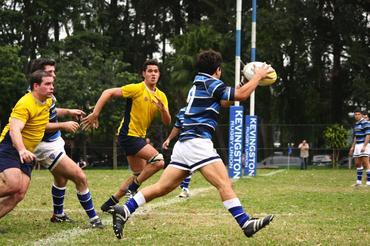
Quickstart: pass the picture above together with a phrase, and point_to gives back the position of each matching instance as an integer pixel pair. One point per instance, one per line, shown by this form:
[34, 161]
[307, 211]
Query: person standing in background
[304, 153]
[360, 149]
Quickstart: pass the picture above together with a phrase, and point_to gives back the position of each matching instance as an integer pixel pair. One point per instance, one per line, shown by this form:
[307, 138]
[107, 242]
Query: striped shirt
[361, 129]
[180, 118]
[204, 103]
[52, 136]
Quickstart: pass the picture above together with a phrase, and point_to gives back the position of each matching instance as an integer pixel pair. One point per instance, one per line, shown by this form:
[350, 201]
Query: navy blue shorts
[131, 145]
[9, 158]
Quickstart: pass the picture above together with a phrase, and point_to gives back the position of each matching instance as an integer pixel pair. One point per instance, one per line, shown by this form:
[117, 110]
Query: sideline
[67, 235]
[272, 173]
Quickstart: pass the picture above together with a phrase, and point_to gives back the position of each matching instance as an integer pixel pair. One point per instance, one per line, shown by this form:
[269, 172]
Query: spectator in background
[304, 153]
[365, 116]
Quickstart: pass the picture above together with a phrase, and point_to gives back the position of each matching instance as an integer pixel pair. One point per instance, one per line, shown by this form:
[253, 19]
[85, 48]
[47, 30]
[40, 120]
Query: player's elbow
[166, 121]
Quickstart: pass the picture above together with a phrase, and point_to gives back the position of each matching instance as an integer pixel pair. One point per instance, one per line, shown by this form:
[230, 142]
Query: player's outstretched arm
[77, 114]
[92, 119]
[246, 90]
[15, 128]
[68, 126]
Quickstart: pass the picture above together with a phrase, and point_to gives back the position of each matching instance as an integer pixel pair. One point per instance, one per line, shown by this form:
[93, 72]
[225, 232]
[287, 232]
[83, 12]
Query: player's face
[45, 89]
[151, 74]
[50, 70]
[358, 116]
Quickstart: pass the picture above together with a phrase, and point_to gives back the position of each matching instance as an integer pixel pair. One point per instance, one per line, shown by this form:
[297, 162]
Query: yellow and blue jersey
[35, 115]
[140, 109]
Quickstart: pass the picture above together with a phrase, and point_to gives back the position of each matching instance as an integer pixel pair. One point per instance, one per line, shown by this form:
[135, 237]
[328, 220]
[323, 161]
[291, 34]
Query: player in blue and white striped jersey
[360, 148]
[185, 192]
[194, 150]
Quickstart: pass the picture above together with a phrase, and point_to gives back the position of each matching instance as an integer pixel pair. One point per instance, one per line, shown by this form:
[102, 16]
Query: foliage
[336, 137]
[83, 79]
[12, 81]
[182, 63]
[318, 48]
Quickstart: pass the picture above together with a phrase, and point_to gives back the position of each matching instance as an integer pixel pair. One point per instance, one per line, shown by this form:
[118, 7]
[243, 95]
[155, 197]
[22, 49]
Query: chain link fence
[273, 140]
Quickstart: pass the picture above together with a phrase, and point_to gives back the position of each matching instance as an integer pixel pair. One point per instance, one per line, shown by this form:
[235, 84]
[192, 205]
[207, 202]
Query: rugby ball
[248, 72]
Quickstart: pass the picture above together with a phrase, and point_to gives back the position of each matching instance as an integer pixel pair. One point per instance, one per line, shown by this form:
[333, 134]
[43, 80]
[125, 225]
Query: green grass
[312, 207]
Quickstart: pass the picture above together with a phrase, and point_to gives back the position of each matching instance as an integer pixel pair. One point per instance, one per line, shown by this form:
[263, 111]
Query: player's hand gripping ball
[248, 72]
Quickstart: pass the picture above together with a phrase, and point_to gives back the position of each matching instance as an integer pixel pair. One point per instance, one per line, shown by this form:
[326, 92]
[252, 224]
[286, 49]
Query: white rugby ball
[248, 72]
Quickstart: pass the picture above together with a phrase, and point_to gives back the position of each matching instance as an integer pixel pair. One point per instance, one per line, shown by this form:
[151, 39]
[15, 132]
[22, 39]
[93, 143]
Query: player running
[144, 101]
[194, 149]
[20, 137]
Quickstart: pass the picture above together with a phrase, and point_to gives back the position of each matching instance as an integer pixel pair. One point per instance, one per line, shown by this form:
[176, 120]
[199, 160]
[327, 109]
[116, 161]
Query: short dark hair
[208, 61]
[36, 77]
[149, 62]
[357, 110]
[40, 63]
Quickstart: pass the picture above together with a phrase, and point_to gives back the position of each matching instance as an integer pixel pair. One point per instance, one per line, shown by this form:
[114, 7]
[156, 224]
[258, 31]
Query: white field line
[67, 235]
[273, 173]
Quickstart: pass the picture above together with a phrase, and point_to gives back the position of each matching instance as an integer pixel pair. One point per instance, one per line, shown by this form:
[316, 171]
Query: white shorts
[358, 153]
[49, 154]
[193, 154]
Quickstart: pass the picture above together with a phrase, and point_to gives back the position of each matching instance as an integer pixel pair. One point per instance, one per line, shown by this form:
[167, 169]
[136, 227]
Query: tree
[13, 83]
[336, 137]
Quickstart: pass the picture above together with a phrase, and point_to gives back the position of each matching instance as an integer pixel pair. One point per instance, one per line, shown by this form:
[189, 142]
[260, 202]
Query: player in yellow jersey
[144, 101]
[20, 137]
[50, 153]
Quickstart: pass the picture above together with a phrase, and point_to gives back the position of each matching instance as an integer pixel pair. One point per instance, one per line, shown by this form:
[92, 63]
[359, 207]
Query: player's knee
[19, 196]
[157, 161]
[80, 178]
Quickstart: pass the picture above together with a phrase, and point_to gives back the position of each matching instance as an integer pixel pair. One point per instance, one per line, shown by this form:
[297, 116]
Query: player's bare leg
[141, 163]
[169, 180]
[20, 182]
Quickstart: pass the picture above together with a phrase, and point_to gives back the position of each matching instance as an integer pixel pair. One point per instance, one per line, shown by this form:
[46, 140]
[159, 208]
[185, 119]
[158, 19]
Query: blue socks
[185, 183]
[58, 199]
[235, 208]
[134, 185]
[359, 175]
[135, 202]
[87, 203]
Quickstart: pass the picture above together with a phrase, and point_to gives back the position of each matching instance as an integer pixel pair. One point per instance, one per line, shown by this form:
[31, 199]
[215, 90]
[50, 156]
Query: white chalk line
[67, 235]
[272, 173]
[77, 232]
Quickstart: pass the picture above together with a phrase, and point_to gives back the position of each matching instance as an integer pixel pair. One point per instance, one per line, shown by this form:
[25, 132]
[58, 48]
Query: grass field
[313, 207]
